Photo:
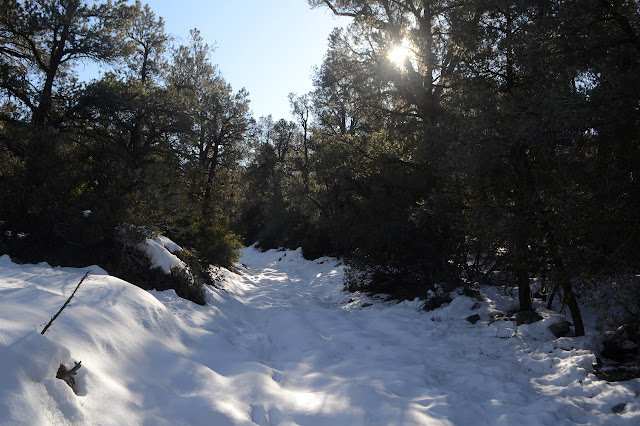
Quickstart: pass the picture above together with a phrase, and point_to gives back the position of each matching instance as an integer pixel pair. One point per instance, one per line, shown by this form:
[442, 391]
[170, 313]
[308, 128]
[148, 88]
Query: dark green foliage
[506, 147]
[199, 268]
[119, 146]
[363, 275]
[44, 38]
[277, 206]
[540, 160]
[214, 242]
[364, 179]
[186, 286]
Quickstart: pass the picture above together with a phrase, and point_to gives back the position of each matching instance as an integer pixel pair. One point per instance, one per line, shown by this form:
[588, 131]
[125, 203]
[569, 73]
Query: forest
[447, 144]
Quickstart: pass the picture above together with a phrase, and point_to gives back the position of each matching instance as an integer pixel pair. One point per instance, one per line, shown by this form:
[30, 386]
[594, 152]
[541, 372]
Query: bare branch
[44, 330]
[337, 12]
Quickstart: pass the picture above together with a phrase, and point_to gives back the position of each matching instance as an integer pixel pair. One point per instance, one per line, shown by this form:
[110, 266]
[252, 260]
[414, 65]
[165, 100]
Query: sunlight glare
[398, 55]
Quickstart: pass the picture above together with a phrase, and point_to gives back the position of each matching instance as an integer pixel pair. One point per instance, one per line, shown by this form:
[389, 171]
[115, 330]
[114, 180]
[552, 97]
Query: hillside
[281, 343]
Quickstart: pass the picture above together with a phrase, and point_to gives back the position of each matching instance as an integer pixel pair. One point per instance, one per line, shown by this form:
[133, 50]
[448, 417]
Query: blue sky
[267, 46]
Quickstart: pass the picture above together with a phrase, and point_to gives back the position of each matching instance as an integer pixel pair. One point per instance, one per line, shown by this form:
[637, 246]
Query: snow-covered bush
[154, 262]
[435, 299]
[186, 286]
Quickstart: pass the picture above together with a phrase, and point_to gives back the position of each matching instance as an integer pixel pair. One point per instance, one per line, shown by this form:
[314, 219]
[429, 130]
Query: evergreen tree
[43, 37]
[400, 139]
[211, 146]
[40, 42]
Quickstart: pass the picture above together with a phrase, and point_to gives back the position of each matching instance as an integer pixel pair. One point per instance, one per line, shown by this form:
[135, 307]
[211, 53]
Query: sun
[398, 55]
[401, 53]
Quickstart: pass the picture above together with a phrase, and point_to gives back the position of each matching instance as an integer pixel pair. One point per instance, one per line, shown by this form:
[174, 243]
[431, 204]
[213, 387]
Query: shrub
[375, 279]
[214, 242]
[187, 286]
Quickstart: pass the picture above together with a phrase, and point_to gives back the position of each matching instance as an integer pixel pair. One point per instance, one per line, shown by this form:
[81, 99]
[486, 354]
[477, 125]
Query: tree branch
[337, 12]
[44, 330]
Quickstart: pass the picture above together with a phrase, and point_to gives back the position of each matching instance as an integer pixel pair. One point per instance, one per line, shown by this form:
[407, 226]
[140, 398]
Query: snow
[282, 343]
[160, 251]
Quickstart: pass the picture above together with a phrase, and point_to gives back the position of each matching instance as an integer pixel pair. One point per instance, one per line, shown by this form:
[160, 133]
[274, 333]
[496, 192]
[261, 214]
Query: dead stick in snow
[44, 330]
[65, 374]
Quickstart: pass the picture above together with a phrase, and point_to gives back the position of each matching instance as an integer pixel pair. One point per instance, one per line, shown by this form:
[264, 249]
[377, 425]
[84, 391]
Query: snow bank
[283, 344]
[160, 251]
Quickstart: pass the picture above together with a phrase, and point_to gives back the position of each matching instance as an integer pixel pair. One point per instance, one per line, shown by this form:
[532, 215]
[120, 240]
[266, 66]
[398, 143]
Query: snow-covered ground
[283, 344]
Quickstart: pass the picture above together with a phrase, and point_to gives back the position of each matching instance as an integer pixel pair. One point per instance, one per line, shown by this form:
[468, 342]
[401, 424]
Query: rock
[472, 293]
[473, 318]
[560, 329]
[619, 408]
[366, 305]
[527, 317]
[436, 301]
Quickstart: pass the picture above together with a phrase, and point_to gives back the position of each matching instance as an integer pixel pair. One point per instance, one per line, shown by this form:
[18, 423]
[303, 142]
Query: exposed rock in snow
[560, 329]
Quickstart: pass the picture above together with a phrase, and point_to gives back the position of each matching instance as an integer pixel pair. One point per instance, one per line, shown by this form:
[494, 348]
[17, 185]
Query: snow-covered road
[282, 343]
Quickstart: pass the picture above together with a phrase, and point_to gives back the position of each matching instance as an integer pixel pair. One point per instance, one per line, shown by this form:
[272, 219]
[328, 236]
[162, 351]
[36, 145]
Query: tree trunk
[206, 202]
[524, 292]
[522, 272]
[564, 280]
[573, 307]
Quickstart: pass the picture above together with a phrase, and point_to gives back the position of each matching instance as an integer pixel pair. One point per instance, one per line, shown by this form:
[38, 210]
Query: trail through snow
[282, 343]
